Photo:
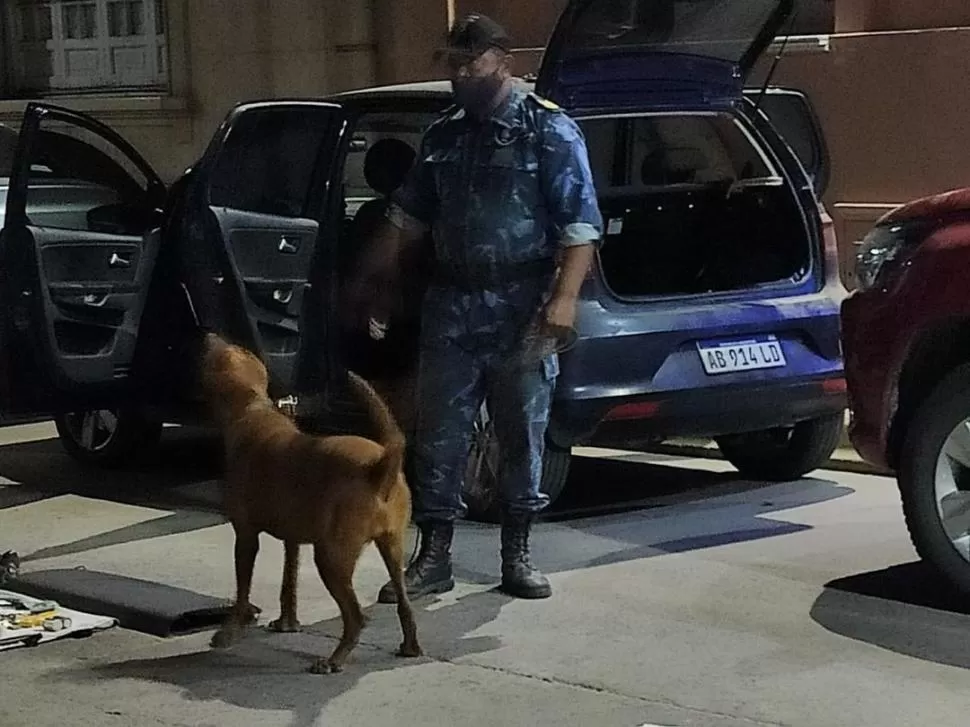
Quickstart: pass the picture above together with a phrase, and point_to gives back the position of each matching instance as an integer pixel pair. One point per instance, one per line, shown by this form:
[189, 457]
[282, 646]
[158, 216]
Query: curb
[844, 459]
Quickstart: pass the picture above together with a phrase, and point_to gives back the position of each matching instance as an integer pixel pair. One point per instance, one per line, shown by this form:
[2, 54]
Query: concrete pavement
[717, 602]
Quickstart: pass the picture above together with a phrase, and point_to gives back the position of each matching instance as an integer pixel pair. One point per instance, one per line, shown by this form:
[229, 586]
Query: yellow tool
[31, 620]
[40, 615]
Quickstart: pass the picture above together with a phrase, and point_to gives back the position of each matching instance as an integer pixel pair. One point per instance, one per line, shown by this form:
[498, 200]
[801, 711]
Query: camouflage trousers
[469, 346]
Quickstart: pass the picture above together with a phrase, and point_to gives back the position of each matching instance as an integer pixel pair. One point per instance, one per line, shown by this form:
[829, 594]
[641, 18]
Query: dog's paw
[285, 626]
[409, 651]
[252, 614]
[325, 666]
[224, 638]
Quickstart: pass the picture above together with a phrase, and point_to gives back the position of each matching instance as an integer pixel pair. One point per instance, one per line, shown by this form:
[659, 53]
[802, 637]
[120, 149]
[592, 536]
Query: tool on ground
[16, 614]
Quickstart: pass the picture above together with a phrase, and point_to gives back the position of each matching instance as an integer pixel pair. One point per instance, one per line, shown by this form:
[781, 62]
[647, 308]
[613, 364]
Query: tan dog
[337, 493]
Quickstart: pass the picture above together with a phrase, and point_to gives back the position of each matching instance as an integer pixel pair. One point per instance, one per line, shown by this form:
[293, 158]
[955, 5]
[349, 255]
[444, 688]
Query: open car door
[258, 236]
[78, 245]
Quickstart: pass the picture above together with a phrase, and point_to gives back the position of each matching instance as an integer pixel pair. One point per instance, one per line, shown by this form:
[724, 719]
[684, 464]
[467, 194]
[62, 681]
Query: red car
[906, 342]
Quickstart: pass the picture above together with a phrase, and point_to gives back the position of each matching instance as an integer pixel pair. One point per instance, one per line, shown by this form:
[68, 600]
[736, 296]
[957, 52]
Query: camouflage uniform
[499, 198]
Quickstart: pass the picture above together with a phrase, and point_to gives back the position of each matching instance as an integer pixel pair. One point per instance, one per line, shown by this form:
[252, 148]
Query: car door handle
[289, 247]
[116, 261]
[95, 301]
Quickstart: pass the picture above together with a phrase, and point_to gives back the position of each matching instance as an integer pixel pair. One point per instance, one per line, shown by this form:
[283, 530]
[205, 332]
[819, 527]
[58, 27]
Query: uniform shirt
[502, 192]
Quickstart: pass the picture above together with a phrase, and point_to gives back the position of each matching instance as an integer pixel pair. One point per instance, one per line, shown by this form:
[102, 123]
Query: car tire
[107, 437]
[480, 489]
[784, 453]
[928, 439]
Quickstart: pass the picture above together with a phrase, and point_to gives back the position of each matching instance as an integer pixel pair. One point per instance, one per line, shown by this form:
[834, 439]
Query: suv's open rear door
[621, 53]
[77, 249]
[256, 260]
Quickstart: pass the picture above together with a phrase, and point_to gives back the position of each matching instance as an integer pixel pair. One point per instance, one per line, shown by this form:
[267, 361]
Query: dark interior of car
[690, 206]
[385, 167]
[694, 239]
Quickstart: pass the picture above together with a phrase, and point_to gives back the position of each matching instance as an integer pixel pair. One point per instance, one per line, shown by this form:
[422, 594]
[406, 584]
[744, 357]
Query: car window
[80, 181]
[404, 126]
[792, 115]
[660, 150]
[267, 162]
[602, 138]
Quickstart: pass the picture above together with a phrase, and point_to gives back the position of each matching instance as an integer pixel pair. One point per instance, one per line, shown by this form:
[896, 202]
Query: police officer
[503, 184]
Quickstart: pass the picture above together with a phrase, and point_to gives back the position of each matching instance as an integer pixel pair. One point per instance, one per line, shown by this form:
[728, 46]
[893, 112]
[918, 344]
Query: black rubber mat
[152, 608]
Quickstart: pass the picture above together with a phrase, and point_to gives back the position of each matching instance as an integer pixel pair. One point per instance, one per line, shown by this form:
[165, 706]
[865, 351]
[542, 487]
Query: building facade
[165, 72]
[885, 75]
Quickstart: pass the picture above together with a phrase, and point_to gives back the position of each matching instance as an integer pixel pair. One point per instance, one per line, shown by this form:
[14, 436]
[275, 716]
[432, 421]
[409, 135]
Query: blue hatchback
[713, 308]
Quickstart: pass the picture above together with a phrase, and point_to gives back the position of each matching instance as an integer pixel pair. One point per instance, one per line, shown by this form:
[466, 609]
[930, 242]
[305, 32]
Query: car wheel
[106, 437]
[934, 479]
[480, 491]
[784, 453]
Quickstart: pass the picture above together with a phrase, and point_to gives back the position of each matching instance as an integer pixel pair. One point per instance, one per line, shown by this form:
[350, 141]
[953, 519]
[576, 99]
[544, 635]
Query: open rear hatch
[616, 53]
[694, 201]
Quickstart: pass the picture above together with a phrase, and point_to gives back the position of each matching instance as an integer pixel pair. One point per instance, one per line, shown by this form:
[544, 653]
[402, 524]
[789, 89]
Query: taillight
[830, 245]
[634, 410]
[834, 386]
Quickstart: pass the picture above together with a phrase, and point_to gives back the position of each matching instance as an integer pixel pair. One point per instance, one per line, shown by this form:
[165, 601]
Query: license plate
[725, 357]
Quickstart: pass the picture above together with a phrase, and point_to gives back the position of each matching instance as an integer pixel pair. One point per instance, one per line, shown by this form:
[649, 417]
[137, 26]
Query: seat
[386, 167]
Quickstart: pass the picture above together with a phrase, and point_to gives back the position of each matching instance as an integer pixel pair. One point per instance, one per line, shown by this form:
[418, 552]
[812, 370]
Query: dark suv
[907, 345]
[712, 310]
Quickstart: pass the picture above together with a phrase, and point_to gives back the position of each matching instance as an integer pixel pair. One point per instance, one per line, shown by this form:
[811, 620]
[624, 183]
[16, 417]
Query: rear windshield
[630, 154]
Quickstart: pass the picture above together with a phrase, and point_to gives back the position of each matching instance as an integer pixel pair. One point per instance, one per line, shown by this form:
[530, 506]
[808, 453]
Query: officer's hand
[560, 311]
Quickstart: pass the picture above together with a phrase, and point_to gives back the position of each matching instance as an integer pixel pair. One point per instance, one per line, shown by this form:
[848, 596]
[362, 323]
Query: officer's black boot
[519, 577]
[430, 572]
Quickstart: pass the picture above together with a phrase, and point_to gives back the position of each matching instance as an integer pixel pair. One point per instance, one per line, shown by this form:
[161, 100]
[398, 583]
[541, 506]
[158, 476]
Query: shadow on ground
[185, 456]
[267, 671]
[42, 469]
[613, 485]
[907, 609]
[613, 510]
[667, 510]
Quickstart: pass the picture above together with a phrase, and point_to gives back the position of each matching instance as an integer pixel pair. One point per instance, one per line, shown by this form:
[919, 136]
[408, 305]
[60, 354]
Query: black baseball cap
[473, 35]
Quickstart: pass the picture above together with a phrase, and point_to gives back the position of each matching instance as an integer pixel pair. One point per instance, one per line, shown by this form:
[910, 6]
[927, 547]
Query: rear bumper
[695, 412]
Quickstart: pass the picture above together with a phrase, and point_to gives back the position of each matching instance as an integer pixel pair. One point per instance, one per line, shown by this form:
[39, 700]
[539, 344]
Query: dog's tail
[385, 471]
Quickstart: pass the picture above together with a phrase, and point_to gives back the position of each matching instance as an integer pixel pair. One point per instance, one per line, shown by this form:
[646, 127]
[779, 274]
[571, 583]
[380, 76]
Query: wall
[888, 100]
[407, 35]
[881, 15]
[227, 51]
[528, 23]
[223, 52]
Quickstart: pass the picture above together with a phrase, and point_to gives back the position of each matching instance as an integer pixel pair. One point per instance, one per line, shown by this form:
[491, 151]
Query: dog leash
[414, 551]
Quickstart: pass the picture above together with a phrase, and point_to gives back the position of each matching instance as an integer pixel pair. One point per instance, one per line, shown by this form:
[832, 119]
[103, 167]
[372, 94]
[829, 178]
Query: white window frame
[107, 73]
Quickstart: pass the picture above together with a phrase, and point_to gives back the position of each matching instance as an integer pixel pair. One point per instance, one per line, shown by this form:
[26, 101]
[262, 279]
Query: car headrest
[387, 164]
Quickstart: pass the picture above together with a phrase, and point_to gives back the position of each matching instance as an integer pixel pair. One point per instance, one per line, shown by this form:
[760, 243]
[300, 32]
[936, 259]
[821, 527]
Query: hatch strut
[774, 64]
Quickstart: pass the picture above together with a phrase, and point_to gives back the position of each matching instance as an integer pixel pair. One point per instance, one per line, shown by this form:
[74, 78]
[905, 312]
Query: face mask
[476, 94]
